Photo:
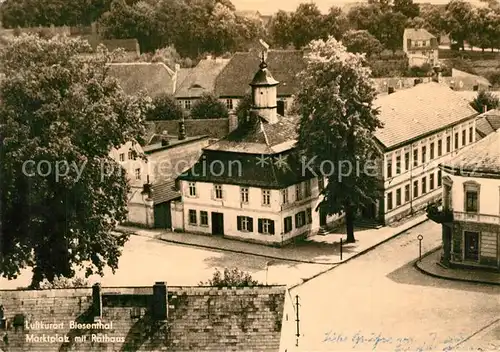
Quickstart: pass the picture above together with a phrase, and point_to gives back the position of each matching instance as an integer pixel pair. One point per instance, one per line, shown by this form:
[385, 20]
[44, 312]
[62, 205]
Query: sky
[271, 6]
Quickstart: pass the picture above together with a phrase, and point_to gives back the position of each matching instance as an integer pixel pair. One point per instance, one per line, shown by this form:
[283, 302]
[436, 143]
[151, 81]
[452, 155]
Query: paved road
[381, 295]
[145, 261]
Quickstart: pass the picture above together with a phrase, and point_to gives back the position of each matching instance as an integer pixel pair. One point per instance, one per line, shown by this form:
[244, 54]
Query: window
[407, 160]
[122, 157]
[464, 137]
[389, 168]
[187, 104]
[440, 147]
[448, 144]
[229, 104]
[398, 197]
[456, 140]
[309, 216]
[431, 182]
[266, 226]
[398, 164]
[244, 223]
[300, 219]
[203, 218]
[244, 194]
[471, 136]
[130, 155]
[407, 193]
[321, 183]
[307, 189]
[424, 185]
[284, 195]
[192, 189]
[415, 189]
[192, 217]
[424, 153]
[439, 178]
[389, 201]
[298, 191]
[287, 224]
[137, 174]
[471, 201]
[415, 157]
[266, 197]
[431, 147]
[218, 191]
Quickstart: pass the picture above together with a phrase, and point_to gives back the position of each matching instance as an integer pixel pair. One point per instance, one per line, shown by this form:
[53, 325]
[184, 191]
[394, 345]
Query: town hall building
[249, 185]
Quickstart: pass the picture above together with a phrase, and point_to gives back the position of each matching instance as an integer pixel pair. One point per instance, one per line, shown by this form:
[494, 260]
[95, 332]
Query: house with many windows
[420, 46]
[249, 185]
[470, 209]
[423, 127]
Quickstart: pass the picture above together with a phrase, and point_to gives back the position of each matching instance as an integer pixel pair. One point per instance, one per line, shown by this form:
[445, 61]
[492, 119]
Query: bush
[462, 65]
[483, 99]
[63, 282]
[165, 107]
[420, 71]
[231, 278]
[493, 76]
[209, 107]
[243, 108]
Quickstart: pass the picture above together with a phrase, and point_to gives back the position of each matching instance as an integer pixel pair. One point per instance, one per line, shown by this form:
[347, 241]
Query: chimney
[475, 88]
[160, 301]
[97, 300]
[182, 130]
[390, 90]
[164, 139]
[485, 108]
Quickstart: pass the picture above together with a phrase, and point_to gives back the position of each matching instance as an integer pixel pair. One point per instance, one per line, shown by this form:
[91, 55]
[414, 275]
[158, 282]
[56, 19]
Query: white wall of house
[488, 195]
[233, 205]
[401, 173]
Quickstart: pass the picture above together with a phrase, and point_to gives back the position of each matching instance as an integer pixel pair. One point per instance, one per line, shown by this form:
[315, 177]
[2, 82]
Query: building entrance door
[217, 223]
[471, 243]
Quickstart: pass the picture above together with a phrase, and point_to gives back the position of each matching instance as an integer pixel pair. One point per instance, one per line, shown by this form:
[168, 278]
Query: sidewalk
[429, 265]
[314, 250]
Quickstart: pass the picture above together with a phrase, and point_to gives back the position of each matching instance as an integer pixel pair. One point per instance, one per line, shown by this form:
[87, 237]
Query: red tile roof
[410, 113]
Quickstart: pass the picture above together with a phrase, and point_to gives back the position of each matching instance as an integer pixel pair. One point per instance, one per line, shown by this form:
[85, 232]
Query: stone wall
[144, 319]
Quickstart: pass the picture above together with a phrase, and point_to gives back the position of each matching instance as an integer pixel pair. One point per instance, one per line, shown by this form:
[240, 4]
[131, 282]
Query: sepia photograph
[249, 175]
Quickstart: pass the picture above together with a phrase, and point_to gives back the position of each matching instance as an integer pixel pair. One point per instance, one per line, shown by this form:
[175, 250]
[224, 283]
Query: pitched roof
[284, 65]
[182, 74]
[201, 79]
[417, 34]
[488, 123]
[199, 318]
[152, 78]
[165, 192]
[414, 112]
[483, 157]
[260, 137]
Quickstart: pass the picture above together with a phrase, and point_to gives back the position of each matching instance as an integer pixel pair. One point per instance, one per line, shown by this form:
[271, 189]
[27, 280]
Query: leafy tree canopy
[209, 107]
[360, 41]
[485, 99]
[165, 107]
[337, 125]
[62, 113]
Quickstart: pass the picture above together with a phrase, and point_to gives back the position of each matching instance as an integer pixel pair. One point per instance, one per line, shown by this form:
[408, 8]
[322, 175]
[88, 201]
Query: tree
[406, 7]
[243, 108]
[360, 41]
[306, 24]
[457, 18]
[417, 22]
[165, 107]
[365, 17]
[280, 29]
[434, 16]
[485, 99]
[390, 29]
[336, 127]
[231, 278]
[63, 115]
[209, 107]
[335, 23]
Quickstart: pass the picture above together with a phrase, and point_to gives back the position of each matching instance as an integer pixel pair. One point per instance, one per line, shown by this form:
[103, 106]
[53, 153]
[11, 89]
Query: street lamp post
[420, 238]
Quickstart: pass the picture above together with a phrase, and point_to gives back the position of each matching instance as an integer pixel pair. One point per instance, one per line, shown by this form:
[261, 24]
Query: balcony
[439, 215]
[474, 217]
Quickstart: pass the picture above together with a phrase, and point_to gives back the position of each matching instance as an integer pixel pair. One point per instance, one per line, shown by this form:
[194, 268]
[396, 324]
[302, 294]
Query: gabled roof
[410, 113]
[483, 157]
[260, 137]
[182, 74]
[200, 79]
[417, 34]
[165, 192]
[153, 78]
[488, 123]
[284, 65]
